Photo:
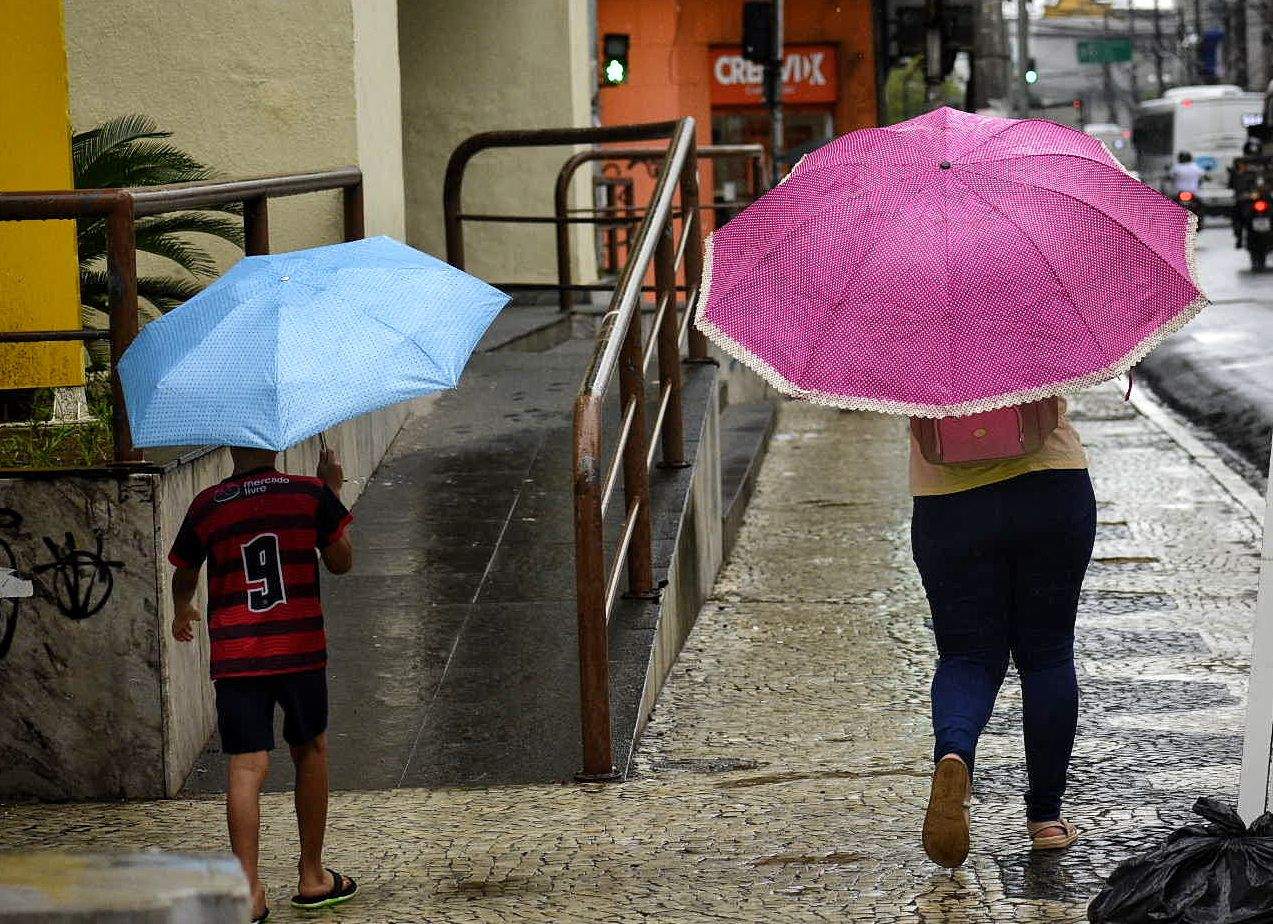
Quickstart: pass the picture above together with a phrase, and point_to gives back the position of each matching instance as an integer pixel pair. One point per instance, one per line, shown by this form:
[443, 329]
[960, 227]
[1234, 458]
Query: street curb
[1180, 433]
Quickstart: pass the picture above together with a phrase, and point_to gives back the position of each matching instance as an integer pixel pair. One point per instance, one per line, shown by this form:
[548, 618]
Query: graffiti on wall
[78, 581]
[82, 579]
[13, 586]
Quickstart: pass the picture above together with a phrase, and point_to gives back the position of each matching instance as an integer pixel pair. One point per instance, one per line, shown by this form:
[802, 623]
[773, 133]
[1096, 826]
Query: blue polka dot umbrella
[286, 345]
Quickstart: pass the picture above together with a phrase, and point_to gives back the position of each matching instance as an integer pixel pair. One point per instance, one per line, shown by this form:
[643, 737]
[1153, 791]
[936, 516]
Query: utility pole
[773, 90]
[1197, 31]
[1022, 94]
[1107, 76]
[934, 50]
[778, 123]
[1256, 66]
[1158, 75]
[1131, 65]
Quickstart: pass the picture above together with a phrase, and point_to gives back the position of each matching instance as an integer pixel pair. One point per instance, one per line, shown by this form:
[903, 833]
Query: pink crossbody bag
[1007, 433]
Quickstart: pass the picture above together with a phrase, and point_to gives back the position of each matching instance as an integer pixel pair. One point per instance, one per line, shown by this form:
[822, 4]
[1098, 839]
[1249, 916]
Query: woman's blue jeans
[1002, 566]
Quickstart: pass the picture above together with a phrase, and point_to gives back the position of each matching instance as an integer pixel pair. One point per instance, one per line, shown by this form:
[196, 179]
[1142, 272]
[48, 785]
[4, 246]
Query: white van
[1116, 138]
[1209, 122]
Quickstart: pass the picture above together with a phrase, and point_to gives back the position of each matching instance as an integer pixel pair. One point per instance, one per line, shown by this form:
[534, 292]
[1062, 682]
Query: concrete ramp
[453, 641]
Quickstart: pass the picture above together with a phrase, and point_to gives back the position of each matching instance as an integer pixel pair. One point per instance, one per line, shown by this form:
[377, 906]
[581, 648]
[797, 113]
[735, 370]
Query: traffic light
[1031, 72]
[758, 32]
[614, 66]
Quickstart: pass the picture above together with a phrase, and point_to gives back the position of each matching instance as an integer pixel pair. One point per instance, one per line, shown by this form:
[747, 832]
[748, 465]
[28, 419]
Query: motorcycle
[1190, 201]
[1257, 229]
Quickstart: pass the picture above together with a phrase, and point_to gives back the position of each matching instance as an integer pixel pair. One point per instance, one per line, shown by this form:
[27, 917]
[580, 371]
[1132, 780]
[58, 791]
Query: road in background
[1218, 371]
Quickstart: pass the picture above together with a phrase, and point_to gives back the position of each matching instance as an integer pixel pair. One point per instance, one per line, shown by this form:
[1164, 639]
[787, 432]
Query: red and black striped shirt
[258, 532]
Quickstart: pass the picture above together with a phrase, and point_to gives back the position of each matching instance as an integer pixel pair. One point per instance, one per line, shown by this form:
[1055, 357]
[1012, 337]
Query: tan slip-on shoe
[1052, 835]
[946, 823]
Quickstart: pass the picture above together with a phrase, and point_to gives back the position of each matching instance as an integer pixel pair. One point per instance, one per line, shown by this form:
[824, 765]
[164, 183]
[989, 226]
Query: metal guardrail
[565, 285]
[620, 350]
[622, 217]
[121, 206]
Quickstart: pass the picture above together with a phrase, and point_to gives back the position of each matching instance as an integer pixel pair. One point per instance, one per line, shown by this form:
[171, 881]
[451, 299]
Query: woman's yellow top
[1061, 450]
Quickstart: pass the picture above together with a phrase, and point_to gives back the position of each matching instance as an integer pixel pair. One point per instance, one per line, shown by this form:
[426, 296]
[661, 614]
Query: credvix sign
[809, 75]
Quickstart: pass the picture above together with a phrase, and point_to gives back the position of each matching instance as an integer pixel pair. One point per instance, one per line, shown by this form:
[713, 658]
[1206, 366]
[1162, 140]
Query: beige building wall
[478, 65]
[377, 91]
[254, 87]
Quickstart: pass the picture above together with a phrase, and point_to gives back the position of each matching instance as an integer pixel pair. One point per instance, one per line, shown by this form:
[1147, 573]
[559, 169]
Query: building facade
[686, 59]
[250, 88]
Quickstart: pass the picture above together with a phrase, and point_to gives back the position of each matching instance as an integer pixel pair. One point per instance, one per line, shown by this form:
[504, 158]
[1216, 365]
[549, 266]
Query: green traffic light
[615, 71]
[1031, 76]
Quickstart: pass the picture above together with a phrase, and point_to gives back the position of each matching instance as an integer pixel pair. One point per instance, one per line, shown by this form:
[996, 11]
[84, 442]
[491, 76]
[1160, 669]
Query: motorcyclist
[1186, 176]
[1253, 147]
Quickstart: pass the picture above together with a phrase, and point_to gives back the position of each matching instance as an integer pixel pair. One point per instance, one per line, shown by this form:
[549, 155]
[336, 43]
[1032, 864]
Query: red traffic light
[1260, 205]
[1078, 104]
[1187, 196]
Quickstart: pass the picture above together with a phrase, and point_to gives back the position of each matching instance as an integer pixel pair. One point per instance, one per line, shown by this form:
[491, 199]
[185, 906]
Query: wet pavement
[784, 773]
[453, 645]
[1218, 371]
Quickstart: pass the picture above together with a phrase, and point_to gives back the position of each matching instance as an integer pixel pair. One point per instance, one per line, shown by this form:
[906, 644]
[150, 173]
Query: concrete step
[745, 430]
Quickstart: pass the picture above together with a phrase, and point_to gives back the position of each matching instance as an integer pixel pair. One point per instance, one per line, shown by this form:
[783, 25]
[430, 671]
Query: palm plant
[131, 150]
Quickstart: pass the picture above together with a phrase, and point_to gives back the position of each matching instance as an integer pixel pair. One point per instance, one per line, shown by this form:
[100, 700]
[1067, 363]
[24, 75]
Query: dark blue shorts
[245, 710]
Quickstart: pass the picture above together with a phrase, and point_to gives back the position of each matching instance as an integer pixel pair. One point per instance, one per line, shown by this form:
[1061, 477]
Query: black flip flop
[264, 914]
[338, 895]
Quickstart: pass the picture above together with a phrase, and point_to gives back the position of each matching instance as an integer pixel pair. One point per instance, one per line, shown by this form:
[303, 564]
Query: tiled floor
[784, 773]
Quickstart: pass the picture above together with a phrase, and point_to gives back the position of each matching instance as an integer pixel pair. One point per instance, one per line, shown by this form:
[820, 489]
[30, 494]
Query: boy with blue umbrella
[276, 351]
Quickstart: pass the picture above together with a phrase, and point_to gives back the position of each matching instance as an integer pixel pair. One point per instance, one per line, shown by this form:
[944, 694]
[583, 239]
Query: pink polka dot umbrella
[950, 265]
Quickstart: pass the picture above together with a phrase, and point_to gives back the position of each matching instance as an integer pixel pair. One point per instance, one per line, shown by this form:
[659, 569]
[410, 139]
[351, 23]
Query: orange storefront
[685, 59]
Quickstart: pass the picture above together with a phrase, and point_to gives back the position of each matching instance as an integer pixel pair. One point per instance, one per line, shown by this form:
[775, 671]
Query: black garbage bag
[1217, 873]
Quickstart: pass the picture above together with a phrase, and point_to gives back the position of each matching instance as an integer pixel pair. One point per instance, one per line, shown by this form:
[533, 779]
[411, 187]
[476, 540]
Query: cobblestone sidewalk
[784, 774]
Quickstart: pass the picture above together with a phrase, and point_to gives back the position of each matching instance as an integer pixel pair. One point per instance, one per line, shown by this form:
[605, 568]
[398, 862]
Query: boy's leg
[311, 813]
[243, 816]
[245, 720]
[304, 701]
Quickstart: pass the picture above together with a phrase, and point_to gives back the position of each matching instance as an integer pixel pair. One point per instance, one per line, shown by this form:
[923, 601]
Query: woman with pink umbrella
[967, 272]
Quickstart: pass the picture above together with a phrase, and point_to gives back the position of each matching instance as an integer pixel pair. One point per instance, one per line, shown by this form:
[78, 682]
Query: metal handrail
[120, 207]
[565, 176]
[620, 349]
[627, 289]
[453, 184]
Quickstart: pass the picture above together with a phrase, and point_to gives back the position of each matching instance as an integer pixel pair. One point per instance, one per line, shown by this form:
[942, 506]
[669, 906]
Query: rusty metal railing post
[561, 202]
[352, 212]
[121, 281]
[673, 429]
[256, 227]
[693, 249]
[590, 594]
[636, 472]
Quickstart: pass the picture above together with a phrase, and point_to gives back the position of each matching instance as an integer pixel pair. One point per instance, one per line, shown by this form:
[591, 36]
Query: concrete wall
[478, 65]
[697, 560]
[377, 90]
[109, 705]
[253, 87]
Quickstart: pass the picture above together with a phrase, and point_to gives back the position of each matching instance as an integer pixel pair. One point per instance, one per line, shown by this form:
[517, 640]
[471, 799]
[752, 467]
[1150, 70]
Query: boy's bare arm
[185, 584]
[339, 556]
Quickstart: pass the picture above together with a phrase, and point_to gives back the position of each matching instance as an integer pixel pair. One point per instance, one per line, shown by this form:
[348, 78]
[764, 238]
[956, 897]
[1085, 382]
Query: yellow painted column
[39, 280]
